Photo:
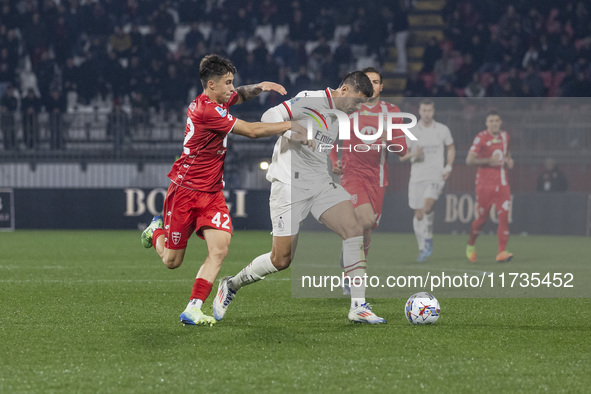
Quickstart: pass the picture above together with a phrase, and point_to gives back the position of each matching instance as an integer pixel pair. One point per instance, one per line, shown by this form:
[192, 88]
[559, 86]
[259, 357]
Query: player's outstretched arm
[298, 133]
[451, 156]
[248, 92]
[260, 129]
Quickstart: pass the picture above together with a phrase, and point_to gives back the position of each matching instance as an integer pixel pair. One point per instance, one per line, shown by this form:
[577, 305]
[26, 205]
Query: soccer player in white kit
[427, 173]
[301, 184]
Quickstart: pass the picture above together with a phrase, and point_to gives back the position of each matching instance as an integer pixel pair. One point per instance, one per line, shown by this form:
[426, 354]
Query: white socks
[419, 226]
[194, 303]
[354, 266]
[429, 218]
[255, 271]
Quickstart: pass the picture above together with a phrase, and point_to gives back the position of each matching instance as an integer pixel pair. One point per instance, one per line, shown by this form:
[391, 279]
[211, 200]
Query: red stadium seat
[428, 79]
[547, 78]
[558, 78]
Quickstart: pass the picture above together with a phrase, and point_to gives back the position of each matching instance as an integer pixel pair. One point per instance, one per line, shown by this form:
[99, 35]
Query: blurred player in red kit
[365, 172]
[194, 201]
[490, 152]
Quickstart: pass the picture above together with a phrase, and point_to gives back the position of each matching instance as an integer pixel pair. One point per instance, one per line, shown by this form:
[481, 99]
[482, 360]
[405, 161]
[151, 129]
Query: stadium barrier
[132, 208]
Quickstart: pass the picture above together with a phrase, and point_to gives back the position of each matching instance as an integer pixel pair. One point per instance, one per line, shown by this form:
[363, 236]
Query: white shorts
[419, 191]
[290, 205]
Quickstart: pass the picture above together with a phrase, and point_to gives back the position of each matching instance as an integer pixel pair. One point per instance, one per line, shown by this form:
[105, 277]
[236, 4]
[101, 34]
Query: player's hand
[495, 161]
[416, 155]
[272, 86]
[446, 172]
[337, 168]
[509, 162]
[300, 134]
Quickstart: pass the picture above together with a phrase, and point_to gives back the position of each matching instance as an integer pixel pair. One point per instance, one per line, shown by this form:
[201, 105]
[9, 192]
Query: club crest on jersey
[176, 237]
[221, 111]
[192, 106]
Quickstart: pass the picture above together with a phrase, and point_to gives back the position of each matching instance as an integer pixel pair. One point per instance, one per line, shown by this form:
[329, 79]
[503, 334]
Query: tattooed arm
[248, 92]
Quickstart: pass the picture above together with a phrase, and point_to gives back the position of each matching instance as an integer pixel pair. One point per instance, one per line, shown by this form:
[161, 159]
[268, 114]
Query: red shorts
[187, 210]
[487, 195]
[364, 193]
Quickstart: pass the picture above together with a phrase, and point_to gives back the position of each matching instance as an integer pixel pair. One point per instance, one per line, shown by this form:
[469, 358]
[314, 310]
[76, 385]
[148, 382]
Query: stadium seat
[180, 32]
[265, 32]
[557, 79]
[341, 31]
[358, 50]
[485, 79]
[281, 31]
[547, 78]
[428, 79]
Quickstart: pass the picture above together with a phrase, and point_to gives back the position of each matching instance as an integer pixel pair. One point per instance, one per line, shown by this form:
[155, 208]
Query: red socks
[503, 230]
[201, 289]
[158, 232]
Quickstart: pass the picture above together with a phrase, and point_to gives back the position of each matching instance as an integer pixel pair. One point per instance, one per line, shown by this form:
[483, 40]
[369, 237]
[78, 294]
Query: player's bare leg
[280, 257]
[172, 258]
[367, 218]
[217, 249]
[154, 236]
[342, 220]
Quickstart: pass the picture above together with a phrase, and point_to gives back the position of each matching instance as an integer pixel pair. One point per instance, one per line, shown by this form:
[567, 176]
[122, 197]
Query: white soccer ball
[422, 308]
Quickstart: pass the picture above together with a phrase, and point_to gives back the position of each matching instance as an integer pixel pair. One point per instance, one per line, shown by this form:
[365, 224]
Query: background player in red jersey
[490, 152]
[365, 173]
[194, 201]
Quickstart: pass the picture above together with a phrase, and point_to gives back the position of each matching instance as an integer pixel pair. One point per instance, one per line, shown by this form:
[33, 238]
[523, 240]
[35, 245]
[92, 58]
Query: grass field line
[44, 267]
[108, 280]
[463, 270]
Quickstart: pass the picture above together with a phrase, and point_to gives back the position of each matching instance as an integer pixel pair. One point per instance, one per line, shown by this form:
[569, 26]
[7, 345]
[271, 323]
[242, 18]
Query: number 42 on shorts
[217, 220]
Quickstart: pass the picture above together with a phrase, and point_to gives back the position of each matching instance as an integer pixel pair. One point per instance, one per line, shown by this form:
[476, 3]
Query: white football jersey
[297, 164]
[433, 140]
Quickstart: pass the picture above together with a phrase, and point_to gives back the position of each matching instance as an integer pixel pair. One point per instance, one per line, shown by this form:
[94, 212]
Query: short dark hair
[214, 67]
[493, 112]
[372, 70]
[359, 82]
[426, 102]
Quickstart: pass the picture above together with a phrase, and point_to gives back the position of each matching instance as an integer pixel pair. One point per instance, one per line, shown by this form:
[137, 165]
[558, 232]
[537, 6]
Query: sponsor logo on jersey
[280, 224]
[192, 106]
[221, 111]
[176, 237]
[354, 198]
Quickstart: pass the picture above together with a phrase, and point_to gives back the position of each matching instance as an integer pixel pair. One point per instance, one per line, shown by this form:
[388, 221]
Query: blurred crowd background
[111, 79]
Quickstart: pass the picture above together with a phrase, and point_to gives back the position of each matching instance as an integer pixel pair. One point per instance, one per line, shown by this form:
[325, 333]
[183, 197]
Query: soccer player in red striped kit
[194, 201]
[490, 152]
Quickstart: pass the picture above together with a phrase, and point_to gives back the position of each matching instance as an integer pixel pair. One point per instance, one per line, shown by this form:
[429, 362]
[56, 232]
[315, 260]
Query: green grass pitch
[92, 311]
